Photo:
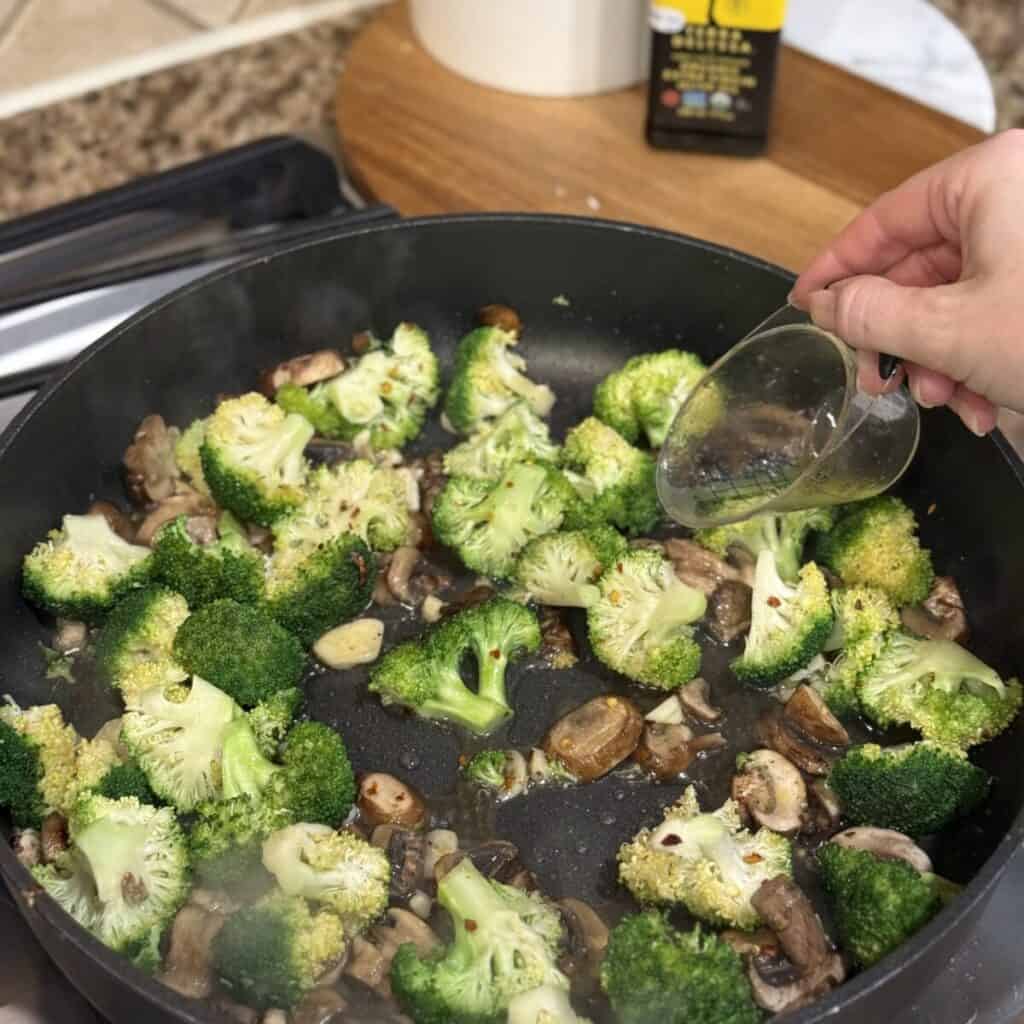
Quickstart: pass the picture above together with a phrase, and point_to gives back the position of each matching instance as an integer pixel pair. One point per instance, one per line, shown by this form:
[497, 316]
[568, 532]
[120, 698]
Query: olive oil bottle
[713, 74]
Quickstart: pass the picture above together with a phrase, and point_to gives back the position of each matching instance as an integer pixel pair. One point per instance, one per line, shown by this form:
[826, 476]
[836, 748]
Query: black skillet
[590, 294]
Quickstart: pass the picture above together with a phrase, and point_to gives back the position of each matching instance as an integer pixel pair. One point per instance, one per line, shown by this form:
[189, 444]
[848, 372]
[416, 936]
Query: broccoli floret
[875, 544]
[788, 624]
[562, 569]
[877, 904]
[784, 534]
[545, 1004]
[646, 394]
[271, 954]
[127, 779]
[641, 624]
[916, 789]
[487, 769]
[187, 457]
[125, 874]
[489, 378]
[241, 650]
[99, 768]
[613, 477]
[499, 632]
[83, 569]
[314, 587]
[652, 972]
[177, 736]
[707, 862]
[357, 497]
[316, 783]
[271, 719]
[517, 435]
[37, 762]
[383, 398]
[423, 675]
[253, 458]
[337, 869]
[489, 523]
[201, 573]
[862, 614]
[506, 942]
[134, 649]
[939, 688]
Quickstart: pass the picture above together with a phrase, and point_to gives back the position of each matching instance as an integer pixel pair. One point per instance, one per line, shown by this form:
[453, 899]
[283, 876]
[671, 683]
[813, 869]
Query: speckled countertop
[287, 84]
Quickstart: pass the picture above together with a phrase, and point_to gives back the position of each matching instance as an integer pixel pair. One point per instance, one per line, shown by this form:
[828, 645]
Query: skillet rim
[23, 888]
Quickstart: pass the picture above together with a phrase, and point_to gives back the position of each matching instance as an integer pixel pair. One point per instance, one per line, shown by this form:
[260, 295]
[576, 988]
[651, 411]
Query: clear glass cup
[778, 424]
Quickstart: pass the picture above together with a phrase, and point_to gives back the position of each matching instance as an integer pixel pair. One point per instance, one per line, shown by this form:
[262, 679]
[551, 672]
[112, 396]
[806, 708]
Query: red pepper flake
[399, 798]
[470, 924]
[752, 858]
[385, 388]
[773, 602]
[618, 565]
[372, 791]
[671, 840]
[496, 654]
[931, 508]
[510, 483]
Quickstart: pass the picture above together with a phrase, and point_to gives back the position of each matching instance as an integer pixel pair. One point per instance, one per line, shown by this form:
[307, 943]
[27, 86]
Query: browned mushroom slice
[664, 750]
[185, 503]
[728, 614]
[810, 714]
[497, 859]
[432, 478]
[941, 616]
[27, 847]
[823, 810]
[771, 791]
[116, 519]
[407, 852]
[469, 599]
[497, 315]
[708, 742]
[885, 843]
[773, 731]
[187, 968]
[399, 927]
[230, 1010]
[151, 474]
[761, 942]
[320, 1006]
[697, 567]
[302, 371]
[587, 940]
[695, 697]
[53, 836]
[403, 564]
[786, 992]
[70, 636]
[385, 800]
[558, 649]
[440, 842]
[596, 737]
[368, 965]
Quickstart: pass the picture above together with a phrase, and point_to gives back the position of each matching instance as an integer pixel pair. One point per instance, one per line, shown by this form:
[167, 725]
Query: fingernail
[975, 426]
[822, 307]
[919, 396]
[793, 301]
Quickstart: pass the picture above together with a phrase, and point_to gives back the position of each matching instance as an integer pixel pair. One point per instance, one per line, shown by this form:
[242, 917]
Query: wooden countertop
[425, 140]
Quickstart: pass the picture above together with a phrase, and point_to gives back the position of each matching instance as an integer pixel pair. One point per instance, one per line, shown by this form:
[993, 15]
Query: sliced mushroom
[186, 503]
[587, 940]
[382, 596]
[887, 844]
[214, 900]
[771, 791]
[407, 852]
[596, 737]
[668, 712]
[70, 636]
[697, 567]
[469, 599]
[498, 315]
[440, 842]
[399, 927]
[53, 836]
[811, 715]
[420, 534]
[235, 1011]
[368, 965]
[941, 616]
[497, 859]
[187, 967]
[824, 812]
[709, 741]
[151, 473]
[558, 649]
[302, 371]
[761, 942]
[260, 537]
[323, 451]
[728, 614]
[385, 800]
[403, 564]
[320, 1006]
[432, 478]
[27, 847]
[664, 750]
[773, 731]
[802, 991]
[695, 697]
[116, 519]
[362, 342]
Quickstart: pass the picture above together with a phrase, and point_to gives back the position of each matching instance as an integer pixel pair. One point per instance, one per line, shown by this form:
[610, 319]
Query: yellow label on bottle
[756, 15]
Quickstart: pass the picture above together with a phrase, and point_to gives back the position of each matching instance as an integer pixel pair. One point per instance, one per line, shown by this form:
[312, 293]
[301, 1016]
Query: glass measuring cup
[778, 424]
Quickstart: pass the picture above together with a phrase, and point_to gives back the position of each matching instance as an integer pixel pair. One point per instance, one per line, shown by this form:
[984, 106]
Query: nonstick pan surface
[590, 295]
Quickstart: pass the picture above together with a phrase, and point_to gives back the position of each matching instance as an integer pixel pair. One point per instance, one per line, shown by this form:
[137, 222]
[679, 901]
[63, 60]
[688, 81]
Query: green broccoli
[336, 869]
[176, 734]
[125, 874]
[875, 543]
[562, 569]
[241, 650]
[100, 768]
[652, 972]
[641, 624]
[488, 523]
[877, 903]
[201, 573]
[705, 861]
[357, 497]
[37, 762]
[83, 569]
[384, 397]
[271, 719]
[939, 688]
[489, 378]
[916, 789]
[134, 649]
[517, 435]
[499, 632]
[269, 955]
[500, 772]
[253, 458]
[613, 477]
[862, 615]
[187, 457]
[316, 783]
[127, 779]
[315, 586]
[788, 624]
[506, 942]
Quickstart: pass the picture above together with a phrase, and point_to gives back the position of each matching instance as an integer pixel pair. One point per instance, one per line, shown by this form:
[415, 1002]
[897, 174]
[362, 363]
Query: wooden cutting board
[425, 140]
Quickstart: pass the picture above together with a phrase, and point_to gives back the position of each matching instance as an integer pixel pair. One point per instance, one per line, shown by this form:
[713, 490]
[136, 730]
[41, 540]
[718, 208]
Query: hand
[933, 272]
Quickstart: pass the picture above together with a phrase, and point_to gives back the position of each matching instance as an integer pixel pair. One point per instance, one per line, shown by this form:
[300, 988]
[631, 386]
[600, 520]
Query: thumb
[922, 325]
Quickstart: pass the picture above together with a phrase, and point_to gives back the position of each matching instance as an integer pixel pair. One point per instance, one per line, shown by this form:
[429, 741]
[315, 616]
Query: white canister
[539, 47]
